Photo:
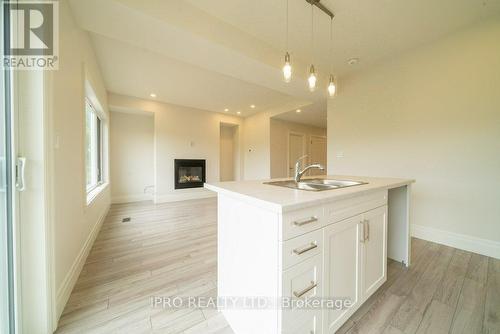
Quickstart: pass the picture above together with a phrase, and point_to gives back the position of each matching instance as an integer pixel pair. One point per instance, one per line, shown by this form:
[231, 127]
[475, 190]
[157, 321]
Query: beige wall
[432, 115]
[132, 156]
[280, 131]
[180, 133]
[74, 221]
[256, 139]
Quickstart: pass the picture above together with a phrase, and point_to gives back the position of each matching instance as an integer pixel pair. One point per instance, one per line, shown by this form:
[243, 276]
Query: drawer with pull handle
[301, 248]
[302, 281]
[299, 222]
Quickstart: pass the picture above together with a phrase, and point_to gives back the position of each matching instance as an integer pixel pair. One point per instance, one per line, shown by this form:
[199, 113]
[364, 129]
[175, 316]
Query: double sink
[316, 184]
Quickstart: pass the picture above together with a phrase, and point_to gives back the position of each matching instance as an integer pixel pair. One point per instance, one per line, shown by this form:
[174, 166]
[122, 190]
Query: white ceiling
[368, 30]
[313, 114]
[138, 72]
[216, 54]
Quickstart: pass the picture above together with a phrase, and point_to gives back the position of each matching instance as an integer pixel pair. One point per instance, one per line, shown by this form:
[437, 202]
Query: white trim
[49, 161]
[131, 198]
[95, 192]
[461, 241]
[177, 196]
[69, 281]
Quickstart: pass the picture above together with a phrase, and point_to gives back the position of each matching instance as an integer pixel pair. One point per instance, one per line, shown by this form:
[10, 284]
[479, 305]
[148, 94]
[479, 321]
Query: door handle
[20, 168]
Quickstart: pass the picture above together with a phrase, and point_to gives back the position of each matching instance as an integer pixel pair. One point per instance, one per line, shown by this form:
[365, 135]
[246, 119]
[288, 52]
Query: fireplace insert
[189, 173]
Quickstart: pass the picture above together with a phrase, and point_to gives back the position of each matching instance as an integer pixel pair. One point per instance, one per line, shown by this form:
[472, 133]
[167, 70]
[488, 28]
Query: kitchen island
[283, 244]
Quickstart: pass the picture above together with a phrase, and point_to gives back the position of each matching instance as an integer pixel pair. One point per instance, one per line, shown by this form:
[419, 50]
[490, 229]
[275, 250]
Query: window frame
[99, 166]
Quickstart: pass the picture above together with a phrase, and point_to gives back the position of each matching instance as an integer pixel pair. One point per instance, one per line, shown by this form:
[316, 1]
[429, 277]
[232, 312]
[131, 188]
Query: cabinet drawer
[299, 222]
[299, 282]
[309, 323]
[301, 248]
[351, 207]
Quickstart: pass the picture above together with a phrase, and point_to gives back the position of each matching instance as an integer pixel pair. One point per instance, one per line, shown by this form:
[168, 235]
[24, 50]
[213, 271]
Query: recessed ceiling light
[153, 95]
[252, 106]
[238, 112]
[353, 61]
[226, 110]
[298, 110]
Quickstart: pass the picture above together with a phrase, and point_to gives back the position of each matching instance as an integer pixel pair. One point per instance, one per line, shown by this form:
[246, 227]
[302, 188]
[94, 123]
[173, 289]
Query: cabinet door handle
[306, 221]
[362, 238]
[306, 290]
[367, 229]
[303, 250]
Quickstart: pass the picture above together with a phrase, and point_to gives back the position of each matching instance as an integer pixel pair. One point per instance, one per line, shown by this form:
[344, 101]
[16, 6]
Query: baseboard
[182, 195]
[131, 198]
[69, 281]
[461, 241]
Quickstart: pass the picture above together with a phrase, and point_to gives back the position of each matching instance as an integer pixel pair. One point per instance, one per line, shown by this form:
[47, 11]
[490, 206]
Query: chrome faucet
[299, 173]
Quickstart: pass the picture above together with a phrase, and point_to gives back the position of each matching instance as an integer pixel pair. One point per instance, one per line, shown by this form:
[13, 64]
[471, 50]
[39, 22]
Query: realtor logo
[30, 34]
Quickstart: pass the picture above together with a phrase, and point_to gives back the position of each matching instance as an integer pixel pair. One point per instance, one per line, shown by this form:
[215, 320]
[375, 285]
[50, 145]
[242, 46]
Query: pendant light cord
[331, 45]
[312, 34]
[286, 26]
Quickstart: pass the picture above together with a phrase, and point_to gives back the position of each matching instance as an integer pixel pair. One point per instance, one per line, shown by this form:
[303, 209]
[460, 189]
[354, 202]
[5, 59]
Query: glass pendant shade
[287, 68]
[332, 88]
[312, 79]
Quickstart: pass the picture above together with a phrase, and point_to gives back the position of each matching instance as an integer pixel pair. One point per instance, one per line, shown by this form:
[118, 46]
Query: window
[93, 147]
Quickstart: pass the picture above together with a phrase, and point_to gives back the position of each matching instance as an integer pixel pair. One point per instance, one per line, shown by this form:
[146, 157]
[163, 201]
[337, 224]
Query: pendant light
[312, 73]
[287, 68]
[331, 85]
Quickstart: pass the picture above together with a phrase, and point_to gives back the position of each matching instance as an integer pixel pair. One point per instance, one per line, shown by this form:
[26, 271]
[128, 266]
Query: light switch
[56, 142]
[340, 154]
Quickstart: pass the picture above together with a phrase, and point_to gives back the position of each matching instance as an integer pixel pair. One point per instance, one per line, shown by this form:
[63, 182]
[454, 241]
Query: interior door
[342, 268]
[317, 151]
[295, 151]
[374, 250]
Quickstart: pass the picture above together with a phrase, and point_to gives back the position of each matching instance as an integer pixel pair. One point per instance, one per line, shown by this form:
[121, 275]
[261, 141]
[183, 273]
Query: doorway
[317, 152]
[228, 153]
[296, 150]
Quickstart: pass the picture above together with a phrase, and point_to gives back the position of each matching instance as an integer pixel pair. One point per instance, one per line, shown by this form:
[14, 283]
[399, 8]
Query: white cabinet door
[374, 269]
[342, 269]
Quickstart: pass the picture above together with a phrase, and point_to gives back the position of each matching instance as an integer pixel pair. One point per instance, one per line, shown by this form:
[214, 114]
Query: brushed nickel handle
[362, 237]
[367, 222]
[304, 222]
[306, 290]
[302, 251]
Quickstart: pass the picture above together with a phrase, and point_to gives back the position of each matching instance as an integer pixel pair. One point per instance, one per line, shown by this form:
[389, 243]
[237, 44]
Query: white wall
[432, 115]
[75, 223]
[180, 133]
[132, 156]
[280, 131]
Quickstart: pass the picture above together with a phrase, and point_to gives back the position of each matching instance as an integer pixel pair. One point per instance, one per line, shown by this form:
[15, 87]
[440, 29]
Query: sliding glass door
[7, 295]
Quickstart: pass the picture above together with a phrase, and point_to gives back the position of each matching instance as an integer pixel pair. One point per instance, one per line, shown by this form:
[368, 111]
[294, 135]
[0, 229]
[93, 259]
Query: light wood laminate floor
[170, 249]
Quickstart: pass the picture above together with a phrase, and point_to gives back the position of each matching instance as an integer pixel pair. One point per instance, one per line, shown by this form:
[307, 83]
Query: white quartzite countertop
[281, 199]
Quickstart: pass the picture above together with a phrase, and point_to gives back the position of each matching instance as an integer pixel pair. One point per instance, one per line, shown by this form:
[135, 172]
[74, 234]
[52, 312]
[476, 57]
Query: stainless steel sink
[316, 184]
